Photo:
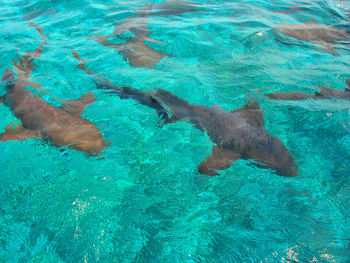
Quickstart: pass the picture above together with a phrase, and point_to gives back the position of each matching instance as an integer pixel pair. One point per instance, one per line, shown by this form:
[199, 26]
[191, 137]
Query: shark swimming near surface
[323, 93]
[323, 35]
[61, 126]
[135, 48]
[239, 134]
[174, 7]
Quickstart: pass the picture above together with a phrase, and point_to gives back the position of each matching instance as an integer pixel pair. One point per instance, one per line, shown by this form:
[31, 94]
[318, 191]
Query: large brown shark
[62, 126]
[323, 35]
[323, 93]
[236, 134]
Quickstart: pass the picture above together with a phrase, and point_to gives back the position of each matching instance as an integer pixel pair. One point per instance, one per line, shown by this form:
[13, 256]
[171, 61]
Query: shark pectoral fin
[219, 159]
[19, 133]
[154, 41]
[325, 47]
[76, 107]
[252, 113]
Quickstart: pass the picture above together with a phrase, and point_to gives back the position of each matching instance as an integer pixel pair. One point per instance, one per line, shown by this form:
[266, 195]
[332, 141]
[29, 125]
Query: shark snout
[288, 171]
[91, 148]
[283, 161]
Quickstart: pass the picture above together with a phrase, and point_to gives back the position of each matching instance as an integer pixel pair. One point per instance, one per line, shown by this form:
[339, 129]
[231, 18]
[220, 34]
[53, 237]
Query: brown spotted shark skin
[135, 50]
[236, 134]
[323, 93]
[62, 126]
[321, 34]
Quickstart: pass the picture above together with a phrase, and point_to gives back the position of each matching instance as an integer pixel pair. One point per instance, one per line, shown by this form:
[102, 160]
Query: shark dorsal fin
[252, 113]
[76, 107]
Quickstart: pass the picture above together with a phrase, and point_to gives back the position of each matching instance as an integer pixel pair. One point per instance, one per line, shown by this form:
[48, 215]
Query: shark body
[323, 35]
[236, 134]
[135, 49]
[61, 126]
[323, 93]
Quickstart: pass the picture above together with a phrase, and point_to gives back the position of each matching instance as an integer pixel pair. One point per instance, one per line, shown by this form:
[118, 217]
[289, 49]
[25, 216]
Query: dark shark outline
[236, 134]
[323, 93]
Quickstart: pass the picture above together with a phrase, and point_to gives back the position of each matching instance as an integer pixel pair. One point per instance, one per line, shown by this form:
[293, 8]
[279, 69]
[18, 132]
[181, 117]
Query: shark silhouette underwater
[61, 126]
[325, 36]
[236, 134]
[135, 48]
[323, 93]
[174, 7]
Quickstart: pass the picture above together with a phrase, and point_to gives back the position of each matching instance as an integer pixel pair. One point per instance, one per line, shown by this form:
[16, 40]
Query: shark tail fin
[144, 98]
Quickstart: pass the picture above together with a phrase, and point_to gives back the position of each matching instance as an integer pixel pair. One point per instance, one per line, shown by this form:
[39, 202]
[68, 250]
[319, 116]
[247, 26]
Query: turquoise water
[144, 201]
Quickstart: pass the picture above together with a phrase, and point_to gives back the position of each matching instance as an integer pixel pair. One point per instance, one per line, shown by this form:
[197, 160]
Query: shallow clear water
[144, 201]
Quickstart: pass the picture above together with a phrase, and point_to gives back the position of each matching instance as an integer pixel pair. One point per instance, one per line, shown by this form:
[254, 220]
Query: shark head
[281, 159]
[90, 147]
[82, 136]
[90, 143]
[274, 155]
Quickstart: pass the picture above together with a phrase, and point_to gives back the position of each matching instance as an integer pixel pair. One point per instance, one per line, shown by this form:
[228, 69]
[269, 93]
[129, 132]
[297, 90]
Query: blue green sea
[142, 199]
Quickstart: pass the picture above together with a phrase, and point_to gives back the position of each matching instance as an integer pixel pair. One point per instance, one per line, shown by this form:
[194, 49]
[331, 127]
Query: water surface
[144, 201]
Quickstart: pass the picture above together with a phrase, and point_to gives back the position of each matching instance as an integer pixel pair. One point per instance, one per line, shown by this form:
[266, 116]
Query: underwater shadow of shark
[239, 134]
[61, 126]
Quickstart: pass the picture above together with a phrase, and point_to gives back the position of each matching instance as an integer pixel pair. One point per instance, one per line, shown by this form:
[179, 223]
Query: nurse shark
[238, 134]
[323, 35]
[135, 48]
[61, 126]
[175, 7]
[323, 93]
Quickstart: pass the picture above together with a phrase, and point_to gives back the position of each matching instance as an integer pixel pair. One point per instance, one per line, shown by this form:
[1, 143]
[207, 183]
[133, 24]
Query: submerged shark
[323, 93]
[61, 126]
[320, 34]
[134, 48]
[236, 134]
[174, 7]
